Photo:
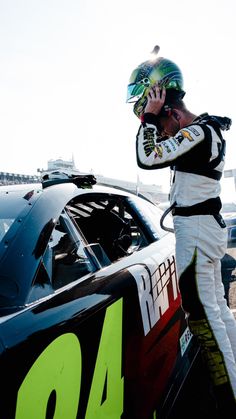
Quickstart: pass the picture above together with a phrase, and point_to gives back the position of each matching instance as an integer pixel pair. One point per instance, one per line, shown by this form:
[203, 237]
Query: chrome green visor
[134, 92]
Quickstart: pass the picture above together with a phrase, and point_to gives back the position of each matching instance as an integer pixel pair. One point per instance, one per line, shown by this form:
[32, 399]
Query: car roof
[36, 189]
[24, 188]
[38, 212]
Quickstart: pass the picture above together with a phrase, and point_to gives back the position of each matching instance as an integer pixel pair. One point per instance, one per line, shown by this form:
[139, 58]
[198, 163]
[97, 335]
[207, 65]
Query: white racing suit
[196, 154]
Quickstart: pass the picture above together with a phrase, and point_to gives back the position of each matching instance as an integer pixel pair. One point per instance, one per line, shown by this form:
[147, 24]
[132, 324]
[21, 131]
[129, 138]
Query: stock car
[91, 325]
[229, 215]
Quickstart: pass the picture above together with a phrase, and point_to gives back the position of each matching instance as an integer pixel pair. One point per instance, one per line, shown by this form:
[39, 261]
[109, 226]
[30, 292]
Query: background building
[152, 192]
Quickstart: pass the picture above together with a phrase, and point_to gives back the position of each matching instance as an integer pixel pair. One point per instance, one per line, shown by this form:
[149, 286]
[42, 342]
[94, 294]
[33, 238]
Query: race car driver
[194, 148]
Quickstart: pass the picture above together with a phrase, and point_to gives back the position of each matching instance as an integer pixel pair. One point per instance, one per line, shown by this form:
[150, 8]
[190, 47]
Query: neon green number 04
[108, 367]
[58, 369]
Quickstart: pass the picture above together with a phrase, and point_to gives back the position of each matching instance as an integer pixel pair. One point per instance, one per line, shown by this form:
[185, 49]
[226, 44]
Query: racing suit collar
[224, 123]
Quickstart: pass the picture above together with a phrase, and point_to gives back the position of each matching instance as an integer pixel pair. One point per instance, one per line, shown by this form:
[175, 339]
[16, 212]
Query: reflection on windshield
[5, 224]
[14, 203]
[68, 261]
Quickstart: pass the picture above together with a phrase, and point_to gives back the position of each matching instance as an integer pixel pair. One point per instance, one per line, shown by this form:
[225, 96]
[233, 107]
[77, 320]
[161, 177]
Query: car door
[107, 335]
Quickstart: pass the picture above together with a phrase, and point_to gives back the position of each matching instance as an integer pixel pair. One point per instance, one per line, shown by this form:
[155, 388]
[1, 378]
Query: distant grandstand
[16, 178]
[152, 192]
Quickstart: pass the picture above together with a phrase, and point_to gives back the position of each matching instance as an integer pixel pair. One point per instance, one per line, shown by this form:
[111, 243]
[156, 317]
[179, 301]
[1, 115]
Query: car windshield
[14, 204]
[229, 207]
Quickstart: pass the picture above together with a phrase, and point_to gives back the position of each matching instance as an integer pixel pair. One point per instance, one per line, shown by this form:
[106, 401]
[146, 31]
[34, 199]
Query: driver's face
[168, 126]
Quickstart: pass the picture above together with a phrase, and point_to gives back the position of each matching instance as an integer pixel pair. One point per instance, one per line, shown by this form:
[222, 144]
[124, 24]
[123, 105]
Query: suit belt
[211, 206]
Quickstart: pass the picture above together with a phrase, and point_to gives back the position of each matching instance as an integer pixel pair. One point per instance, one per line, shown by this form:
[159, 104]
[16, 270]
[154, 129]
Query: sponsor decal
[179, 138]
[149, 144]
[166, 146]
[149, 141]
[173, 143]
[194, 131]
[173, 139]
[183, 133]
[186, 134]
[185, 340]
[155, 290]
[158, 151]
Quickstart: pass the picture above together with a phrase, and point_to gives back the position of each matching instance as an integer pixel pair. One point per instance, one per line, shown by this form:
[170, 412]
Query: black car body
[91, 322]
[229, 215]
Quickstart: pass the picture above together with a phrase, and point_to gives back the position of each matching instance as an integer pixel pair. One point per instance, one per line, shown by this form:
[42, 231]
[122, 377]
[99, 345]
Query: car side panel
[107, 347]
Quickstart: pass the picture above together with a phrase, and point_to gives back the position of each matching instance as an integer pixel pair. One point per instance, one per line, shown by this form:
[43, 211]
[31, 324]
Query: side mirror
[98, 255]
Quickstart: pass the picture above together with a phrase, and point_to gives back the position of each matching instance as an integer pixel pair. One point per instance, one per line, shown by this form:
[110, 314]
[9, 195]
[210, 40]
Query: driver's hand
[155, 99]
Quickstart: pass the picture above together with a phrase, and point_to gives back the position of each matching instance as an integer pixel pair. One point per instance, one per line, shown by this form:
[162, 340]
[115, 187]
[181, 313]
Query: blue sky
[65, 66]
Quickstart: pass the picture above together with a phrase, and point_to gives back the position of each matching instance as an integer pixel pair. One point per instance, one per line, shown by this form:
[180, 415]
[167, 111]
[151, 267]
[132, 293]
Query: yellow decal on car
[58, 369]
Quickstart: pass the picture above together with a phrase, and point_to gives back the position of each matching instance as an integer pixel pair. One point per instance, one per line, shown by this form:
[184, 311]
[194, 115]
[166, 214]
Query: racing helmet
[155, 70]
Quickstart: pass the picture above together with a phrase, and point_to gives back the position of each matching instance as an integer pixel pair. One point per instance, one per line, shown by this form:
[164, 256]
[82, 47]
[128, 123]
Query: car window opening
[110, 224]
[102, 230]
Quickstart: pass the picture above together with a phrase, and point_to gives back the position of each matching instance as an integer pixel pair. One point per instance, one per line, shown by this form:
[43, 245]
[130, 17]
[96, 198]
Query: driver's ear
[175, 114]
